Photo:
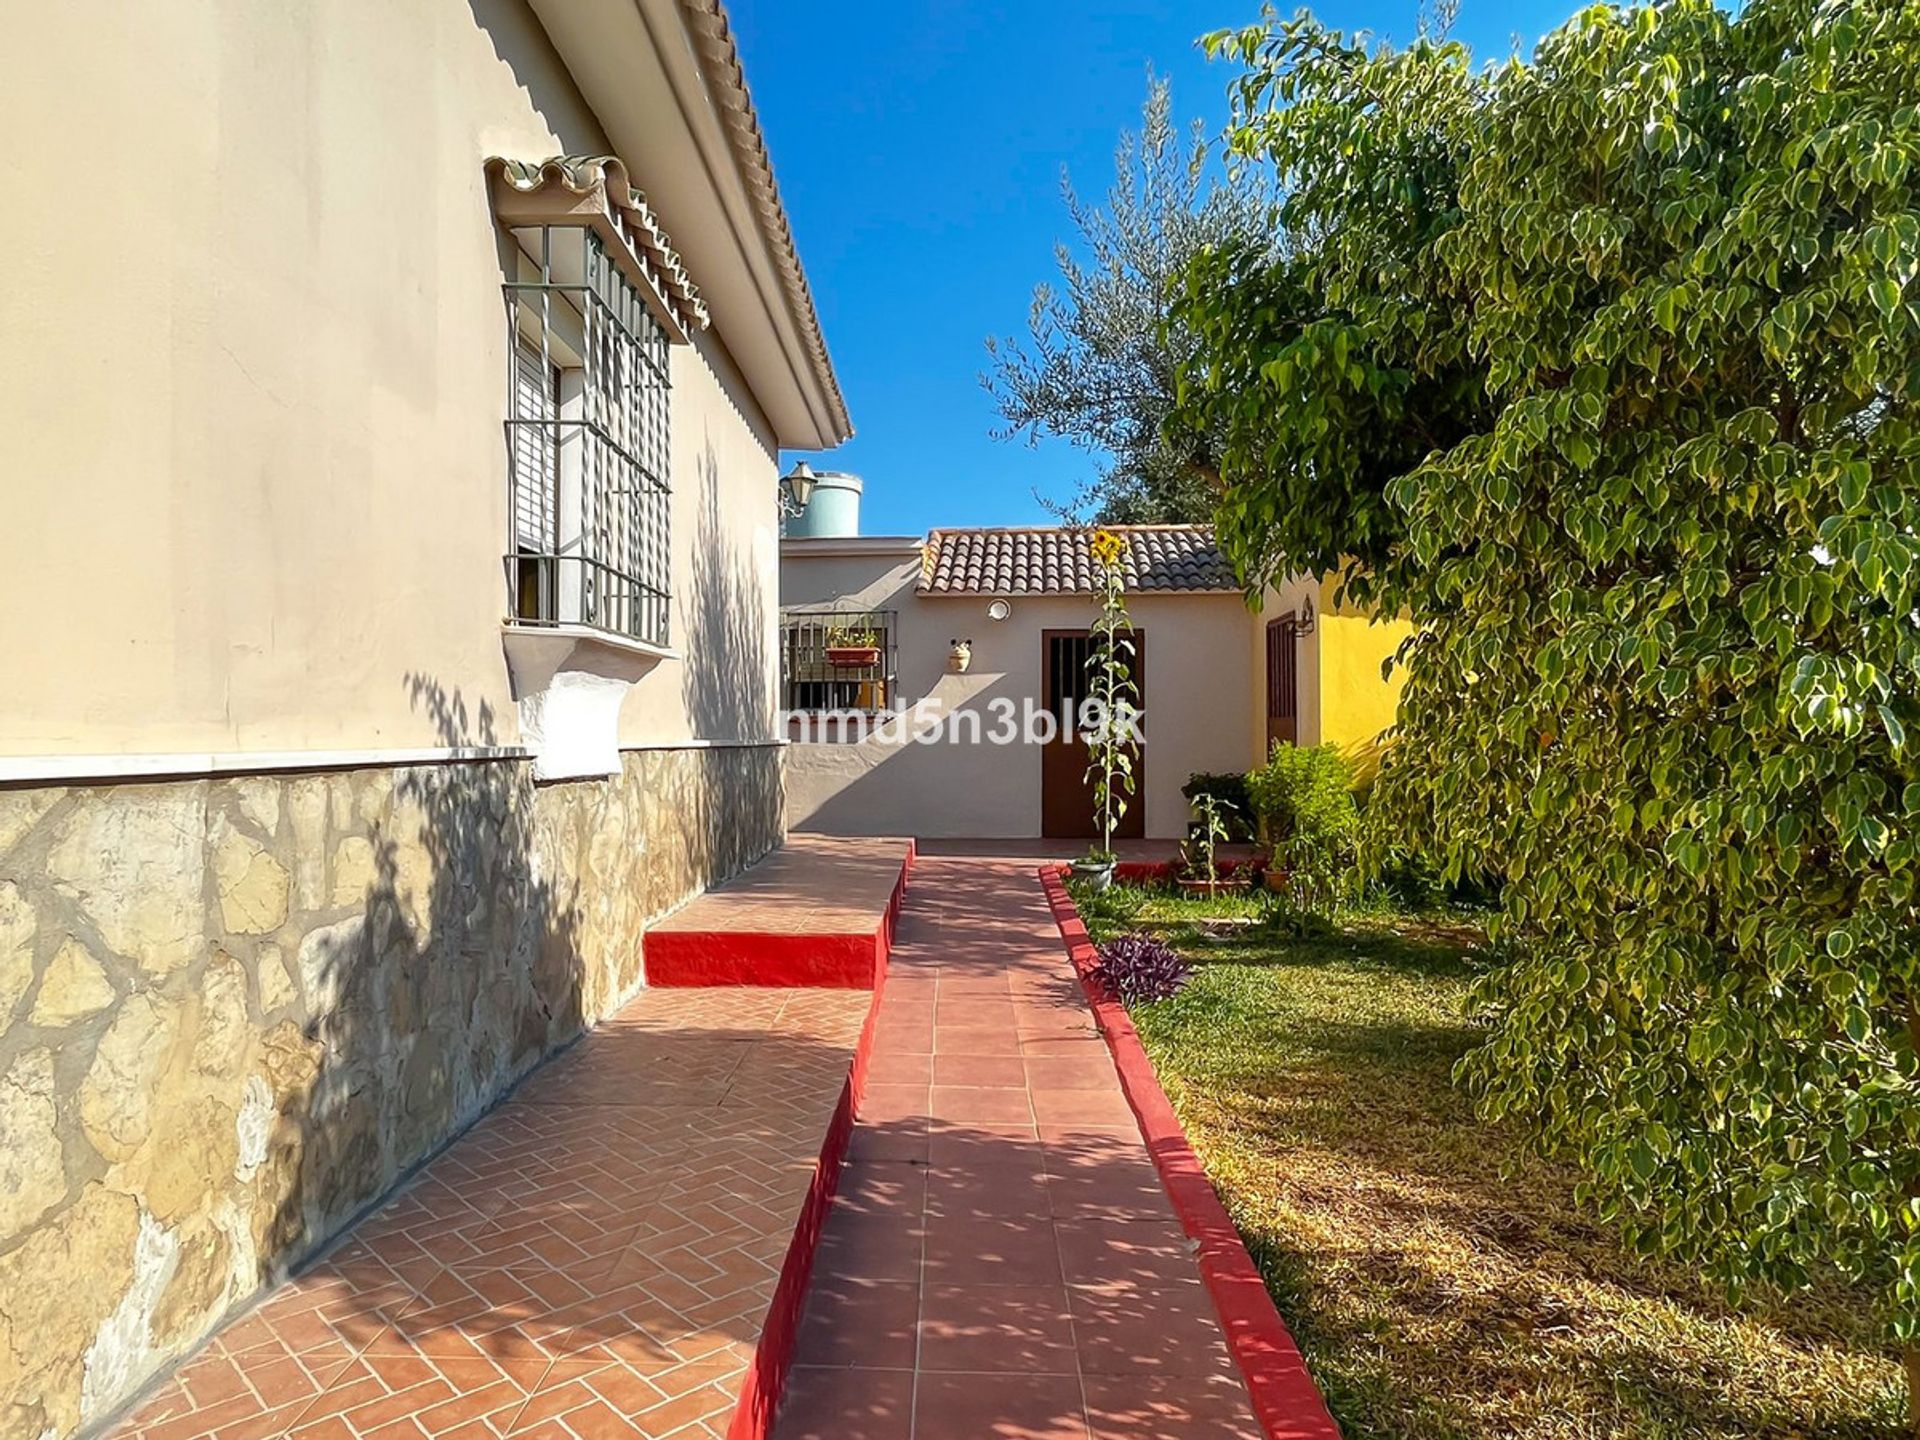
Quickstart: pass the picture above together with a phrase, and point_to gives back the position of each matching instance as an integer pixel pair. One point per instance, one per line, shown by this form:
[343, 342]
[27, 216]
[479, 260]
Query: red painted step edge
[1287, 1403]
[766, 1381]
[683, 958]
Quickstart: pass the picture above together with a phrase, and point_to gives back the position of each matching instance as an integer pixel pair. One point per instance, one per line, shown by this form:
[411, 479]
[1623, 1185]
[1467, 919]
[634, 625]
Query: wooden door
[1283, 681]
[1066, 795]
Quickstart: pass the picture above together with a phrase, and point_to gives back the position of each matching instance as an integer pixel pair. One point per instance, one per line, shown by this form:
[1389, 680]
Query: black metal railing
[838, 660]
[579, 590]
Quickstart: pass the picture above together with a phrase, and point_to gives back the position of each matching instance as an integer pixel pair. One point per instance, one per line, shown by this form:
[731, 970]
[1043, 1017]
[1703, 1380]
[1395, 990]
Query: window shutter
[535, 457]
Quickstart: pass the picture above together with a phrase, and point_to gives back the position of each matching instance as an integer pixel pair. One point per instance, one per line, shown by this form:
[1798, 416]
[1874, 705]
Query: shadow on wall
[726, 675]
[457, 974]
[958, 783]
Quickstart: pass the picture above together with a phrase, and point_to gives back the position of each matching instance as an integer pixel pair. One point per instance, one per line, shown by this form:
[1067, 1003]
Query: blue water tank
[832, 513]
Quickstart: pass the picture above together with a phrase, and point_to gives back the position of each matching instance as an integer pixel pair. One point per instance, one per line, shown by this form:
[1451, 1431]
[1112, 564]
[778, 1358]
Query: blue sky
[919, 147]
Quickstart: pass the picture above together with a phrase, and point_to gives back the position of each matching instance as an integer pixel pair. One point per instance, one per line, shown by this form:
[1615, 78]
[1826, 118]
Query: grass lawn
[1440, 1280]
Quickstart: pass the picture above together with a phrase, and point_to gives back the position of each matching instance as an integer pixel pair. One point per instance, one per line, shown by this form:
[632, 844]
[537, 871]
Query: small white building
[948, 748]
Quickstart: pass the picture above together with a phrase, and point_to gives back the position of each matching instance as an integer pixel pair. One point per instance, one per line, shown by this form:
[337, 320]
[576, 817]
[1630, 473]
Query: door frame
[1066, 799]
[1282, 680]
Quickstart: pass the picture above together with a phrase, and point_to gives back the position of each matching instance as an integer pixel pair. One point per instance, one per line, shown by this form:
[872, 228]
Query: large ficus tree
[1607, 364]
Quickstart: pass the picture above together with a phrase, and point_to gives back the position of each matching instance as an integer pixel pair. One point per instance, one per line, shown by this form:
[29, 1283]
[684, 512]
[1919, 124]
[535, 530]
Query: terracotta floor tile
[897, 1038]
[1017, 1329]
[866, 1323]
[900, 1068]
[1158, 1408]
[1142, 1253]
[1070, 1047]
[963, 1249]
[835, 1404]
[1081, 1107]
[987, 986]
[1012, 1407]
[1091, 1071]
[995, 1071]
[896, 1141]
[976, 1040]
[1115, 1192]
[1140, 1330]
[882, 1104]
[988, 1192]
[979, 1105]
[953, 1145]
[870, 1247]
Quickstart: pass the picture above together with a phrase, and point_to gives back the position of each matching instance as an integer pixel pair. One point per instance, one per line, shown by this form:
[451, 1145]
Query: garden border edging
[1287, 1403]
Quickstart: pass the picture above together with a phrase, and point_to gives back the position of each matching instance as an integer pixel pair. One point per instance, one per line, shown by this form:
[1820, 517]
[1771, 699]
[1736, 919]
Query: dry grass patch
[1441, 1281]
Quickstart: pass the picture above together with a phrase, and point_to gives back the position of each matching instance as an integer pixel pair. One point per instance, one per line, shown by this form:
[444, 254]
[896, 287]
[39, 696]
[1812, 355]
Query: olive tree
[1608, 366]
[1097, 367]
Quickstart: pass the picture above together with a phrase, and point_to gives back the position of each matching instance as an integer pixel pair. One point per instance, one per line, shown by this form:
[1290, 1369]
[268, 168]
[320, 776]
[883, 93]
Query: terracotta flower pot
[853, 657]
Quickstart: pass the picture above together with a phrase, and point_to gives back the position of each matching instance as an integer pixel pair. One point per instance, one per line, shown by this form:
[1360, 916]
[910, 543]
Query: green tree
[1098, 366]
[1662, 277]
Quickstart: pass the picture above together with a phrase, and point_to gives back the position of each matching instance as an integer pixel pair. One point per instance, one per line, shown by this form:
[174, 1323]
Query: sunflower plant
[1112, 696]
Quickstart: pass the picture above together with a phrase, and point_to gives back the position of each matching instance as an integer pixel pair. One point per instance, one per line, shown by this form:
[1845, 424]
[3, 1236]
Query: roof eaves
[726, 80]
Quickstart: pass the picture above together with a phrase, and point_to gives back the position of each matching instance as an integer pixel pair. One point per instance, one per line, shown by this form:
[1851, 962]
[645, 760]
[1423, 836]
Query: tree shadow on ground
[1444, 1278]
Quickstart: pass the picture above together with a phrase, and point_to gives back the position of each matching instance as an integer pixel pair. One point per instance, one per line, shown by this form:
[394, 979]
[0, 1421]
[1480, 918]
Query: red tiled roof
[1057, 560]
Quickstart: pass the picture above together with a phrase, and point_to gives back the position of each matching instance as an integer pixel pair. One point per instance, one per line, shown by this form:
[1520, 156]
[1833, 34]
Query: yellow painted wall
[1356, 704]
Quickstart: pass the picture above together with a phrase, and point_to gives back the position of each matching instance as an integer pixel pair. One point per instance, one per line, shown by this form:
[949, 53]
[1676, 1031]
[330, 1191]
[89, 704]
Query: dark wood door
[1066, 794]
[1283, 680]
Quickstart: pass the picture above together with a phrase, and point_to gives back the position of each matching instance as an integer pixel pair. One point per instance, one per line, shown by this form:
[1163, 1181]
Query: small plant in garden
[1209, 832]
[842, 638]
[1230, 789]
[1112, 696]
[1139, 968]
[1303, 803]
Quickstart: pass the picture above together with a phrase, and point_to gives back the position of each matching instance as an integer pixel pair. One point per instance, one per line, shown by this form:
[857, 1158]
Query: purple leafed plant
[1139, 968]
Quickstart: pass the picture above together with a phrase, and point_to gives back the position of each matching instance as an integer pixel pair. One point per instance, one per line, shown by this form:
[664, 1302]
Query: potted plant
[1303, 800]
[849, 649]
[959, 655]
[1211, 826]
[1108, 711]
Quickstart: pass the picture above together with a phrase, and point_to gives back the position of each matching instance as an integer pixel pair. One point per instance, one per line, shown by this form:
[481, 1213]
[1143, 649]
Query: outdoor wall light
[999, 610]
[1305, 626]
[796, 489]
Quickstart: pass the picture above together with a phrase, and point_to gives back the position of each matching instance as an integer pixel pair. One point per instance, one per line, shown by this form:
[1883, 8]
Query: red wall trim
[1285, 1399]
[852, 961]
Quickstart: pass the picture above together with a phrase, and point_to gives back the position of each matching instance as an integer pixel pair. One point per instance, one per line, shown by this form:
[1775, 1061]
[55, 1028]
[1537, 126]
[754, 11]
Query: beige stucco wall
[251, 387]
[1196, 702]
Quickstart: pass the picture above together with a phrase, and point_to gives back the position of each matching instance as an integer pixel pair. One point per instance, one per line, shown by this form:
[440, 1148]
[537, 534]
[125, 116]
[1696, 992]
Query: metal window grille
[587, 441]
[819, 673]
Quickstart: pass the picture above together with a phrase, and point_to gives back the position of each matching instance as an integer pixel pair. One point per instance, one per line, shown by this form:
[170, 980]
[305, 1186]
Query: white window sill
[569, 682]
[565, 637]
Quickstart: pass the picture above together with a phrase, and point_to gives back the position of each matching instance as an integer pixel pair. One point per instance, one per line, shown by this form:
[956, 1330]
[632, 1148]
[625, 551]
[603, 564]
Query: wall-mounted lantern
[796, 489]
[999, 610]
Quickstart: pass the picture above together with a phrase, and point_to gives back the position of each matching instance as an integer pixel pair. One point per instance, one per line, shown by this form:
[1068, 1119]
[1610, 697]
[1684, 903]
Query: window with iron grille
[587, 441]
[837, 660]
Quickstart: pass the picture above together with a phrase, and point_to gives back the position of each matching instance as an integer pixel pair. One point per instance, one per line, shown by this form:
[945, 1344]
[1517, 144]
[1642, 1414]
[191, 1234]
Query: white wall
[1199, 695]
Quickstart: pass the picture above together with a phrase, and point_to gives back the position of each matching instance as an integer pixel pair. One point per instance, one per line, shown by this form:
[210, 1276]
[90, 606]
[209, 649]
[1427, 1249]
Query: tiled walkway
[594, 1258]
[1001, 1262]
